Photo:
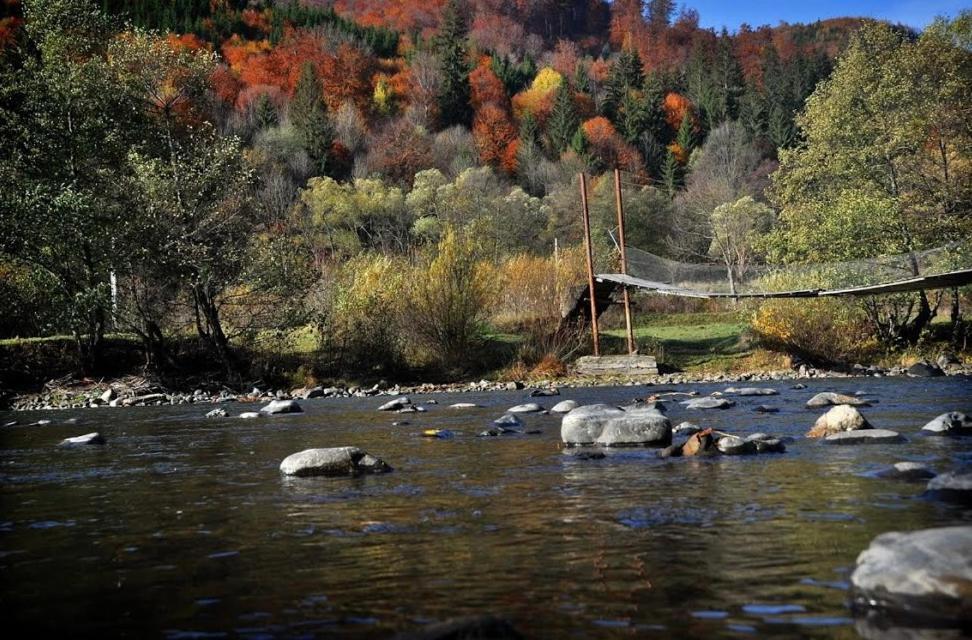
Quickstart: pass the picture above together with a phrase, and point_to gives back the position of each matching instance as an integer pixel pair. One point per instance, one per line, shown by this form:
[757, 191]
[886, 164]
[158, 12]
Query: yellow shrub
[823, 330]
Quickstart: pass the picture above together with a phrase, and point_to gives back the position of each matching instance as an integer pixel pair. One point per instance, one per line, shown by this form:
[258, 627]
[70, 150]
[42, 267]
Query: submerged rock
[735, 446]
[282, 406]
[952, 486]
[908, 471]
[88, 438]
[840, 418]
[865, 436]
[468, 628]
[766, 409]
[565, 406]
[948, 424]
[508, 420]
[463, 405]
[752, 391]
[529, 407]
[829, 398]
[926, 573]
[543, 393]
[249, 415]
[765, 443]
[336, 461]
[394, 405]
[708, 403]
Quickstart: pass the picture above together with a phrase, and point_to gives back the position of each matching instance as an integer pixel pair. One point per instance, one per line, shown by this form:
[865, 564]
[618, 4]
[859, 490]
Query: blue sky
[732, 13]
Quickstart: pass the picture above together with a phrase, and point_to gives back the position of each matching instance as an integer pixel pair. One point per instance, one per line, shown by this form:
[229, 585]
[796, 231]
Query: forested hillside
[382, 184]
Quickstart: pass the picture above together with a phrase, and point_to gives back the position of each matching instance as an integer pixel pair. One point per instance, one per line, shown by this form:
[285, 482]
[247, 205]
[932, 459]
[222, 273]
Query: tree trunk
[955, 316]
[911, 331]
[214, 333]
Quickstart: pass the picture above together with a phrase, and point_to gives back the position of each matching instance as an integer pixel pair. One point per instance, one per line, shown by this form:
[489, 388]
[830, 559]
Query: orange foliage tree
[609, 148]
[676, 106]
[493, 131]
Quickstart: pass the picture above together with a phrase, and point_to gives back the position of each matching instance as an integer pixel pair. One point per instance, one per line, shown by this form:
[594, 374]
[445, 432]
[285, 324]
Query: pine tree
[308, 114]
[563, 120]
[729, 79]
[627, 74]
[454, 64]
[671, 172]
[266, 112]
[752, 111]
[685, 138]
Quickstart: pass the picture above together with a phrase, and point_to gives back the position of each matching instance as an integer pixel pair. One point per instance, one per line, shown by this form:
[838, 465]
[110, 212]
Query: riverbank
[70, 393]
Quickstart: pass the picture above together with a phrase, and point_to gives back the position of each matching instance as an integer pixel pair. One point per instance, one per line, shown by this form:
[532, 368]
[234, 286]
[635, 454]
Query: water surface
[183, 527]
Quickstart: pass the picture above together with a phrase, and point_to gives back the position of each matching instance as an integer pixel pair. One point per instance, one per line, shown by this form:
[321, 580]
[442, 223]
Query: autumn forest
[318, 189]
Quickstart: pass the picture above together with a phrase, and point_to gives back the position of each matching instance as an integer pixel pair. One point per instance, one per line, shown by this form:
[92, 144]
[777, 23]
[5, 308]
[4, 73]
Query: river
[183, 527]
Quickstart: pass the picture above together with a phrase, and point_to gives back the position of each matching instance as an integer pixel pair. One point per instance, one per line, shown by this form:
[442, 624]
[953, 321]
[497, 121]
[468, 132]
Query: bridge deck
[937, 281]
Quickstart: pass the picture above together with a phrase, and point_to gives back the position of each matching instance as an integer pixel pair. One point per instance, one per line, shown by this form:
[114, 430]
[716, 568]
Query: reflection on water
[183, 527]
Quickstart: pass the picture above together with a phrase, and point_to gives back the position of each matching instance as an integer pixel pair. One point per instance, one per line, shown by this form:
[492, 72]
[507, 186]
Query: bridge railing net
[761, 278]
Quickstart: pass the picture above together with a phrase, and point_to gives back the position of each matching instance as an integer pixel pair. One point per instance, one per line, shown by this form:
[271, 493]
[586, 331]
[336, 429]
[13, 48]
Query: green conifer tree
[266, 112]
[308, 115]
[563, 120]
[450, 43]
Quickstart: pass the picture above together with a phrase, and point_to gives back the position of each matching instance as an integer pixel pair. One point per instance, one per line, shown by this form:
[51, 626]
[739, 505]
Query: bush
[536, 288]
[451, 296]
[360, 324]
[821, 330]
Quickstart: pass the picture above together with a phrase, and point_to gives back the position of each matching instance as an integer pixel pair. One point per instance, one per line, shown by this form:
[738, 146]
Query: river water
[183, 527]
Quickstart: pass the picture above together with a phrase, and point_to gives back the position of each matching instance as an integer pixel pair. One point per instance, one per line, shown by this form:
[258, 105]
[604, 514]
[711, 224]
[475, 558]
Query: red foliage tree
[485, 87]
[493, 131]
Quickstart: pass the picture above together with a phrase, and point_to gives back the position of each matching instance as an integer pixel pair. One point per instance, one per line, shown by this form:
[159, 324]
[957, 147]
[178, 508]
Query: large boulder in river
[610, 426]
[829, 398]
[335, 461]
[948, 424]
[840, 418]
[922, 574]
[282, 406]
[638, 427]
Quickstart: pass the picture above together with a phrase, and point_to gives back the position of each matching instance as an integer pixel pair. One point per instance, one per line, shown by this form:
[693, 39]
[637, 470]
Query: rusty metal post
[632, 347]
[590, 265]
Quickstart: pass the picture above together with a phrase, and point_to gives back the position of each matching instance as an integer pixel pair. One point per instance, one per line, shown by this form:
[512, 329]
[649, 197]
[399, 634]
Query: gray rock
[564, 406]
[463, 405]
[529, 407]
[585, 454]
[735, 446]
[947, 424]
[609, 426]
[108, 395]
[508, 420]
[953, 486]
[829, 398]
[217, 413]
[925, 370]
[639, 427]
[281, 406]
[840, 418]
[88, 438]
[394, 405]
[336, 461]
[752, 391]
[316, 392]
[708, 403]
[766, 409]
[671, 451]
[249, 415]
[908, 471]
[769, 445]
[488, 433]
[922, 574]
[584, 424]
[543, 393]
[686, 428]
[865, 436]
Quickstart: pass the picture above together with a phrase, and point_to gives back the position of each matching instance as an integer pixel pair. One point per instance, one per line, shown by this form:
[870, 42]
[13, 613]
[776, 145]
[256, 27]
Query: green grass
[689, 341]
